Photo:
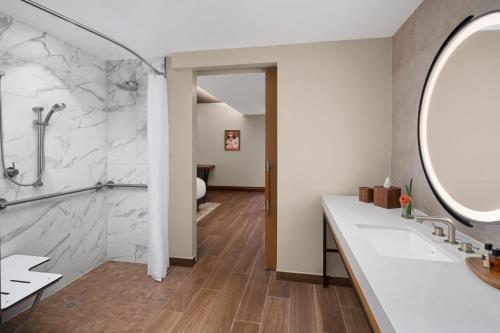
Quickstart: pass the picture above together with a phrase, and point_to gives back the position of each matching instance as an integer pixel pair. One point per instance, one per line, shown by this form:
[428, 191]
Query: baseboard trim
[184, 262]
[235, 188]
[312, 278]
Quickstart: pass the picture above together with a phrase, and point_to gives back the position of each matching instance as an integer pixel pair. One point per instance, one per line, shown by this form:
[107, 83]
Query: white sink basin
[402, 242]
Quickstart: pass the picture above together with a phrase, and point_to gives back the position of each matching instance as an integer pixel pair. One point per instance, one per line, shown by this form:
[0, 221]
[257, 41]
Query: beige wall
[414, 47]
[232, 168]
[182, 211]
[334, 131]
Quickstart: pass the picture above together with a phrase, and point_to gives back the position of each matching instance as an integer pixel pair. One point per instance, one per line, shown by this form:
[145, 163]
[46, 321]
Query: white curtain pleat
[158, 182]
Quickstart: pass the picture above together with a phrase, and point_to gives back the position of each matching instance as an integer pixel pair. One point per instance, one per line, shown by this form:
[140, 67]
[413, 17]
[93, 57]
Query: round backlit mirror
[459, 121]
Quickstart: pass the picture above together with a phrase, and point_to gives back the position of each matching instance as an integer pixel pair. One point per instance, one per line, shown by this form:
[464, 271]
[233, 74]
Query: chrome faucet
[446, 220]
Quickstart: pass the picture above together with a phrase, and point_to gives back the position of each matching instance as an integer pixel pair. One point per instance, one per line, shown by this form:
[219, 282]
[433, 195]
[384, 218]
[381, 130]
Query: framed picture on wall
[232, 140]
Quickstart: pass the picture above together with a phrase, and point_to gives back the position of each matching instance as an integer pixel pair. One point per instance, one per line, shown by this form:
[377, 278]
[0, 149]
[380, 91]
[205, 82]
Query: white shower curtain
[158, 182]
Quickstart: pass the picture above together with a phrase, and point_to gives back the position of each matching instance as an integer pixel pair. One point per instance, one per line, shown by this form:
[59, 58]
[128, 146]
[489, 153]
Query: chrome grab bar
[97, 187]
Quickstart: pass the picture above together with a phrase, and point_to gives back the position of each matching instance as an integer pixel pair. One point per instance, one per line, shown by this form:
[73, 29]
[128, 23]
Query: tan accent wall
[414, 47]
[232, 168]
[182, 211]
[334, 132]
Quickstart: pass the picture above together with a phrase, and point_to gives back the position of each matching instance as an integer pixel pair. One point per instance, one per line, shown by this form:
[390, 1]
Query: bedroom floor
[228, 290]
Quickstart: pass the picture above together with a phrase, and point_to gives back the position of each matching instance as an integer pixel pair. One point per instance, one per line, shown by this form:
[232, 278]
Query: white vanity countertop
[412, 295]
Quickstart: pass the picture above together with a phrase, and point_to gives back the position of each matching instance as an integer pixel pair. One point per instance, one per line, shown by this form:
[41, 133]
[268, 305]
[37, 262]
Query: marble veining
[127, 160]
[102, 135]
[41, 71]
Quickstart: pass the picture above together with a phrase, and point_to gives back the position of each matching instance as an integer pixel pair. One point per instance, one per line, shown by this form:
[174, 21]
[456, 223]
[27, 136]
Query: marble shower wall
[414, 47]
[41, 71]
[127, 160]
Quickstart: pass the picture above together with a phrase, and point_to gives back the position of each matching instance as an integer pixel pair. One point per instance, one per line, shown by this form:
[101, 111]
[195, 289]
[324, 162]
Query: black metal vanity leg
[325, 278]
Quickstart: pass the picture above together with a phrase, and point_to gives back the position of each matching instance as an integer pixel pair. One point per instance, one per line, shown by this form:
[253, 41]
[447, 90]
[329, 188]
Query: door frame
[271, 120]
[271, 152]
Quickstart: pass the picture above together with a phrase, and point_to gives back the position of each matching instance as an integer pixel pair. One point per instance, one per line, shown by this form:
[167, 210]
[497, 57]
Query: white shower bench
[18, 282]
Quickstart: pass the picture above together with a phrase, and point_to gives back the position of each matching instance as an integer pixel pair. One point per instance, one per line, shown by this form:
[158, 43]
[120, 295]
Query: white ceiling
[243, 92]
[159, 27]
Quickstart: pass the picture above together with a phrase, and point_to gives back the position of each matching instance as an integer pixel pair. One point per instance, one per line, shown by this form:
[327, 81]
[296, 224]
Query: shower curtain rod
[4, 203]
[95, 32]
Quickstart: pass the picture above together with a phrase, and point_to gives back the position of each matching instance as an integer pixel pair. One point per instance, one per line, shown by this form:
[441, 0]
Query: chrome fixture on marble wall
[11, 172]
[40, 126]
[102, 132]
[55, 108]
[4, 203]
[130, 86]
[42, 70]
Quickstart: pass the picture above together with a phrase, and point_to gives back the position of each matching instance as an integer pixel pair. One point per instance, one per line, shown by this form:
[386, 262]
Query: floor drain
[70, 305]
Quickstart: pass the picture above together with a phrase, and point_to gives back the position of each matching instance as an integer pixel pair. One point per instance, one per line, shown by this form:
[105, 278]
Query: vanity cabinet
[407, 279]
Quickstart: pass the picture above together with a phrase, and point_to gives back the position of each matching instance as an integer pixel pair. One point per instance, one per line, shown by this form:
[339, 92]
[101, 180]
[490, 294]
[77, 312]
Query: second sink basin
[402, 242]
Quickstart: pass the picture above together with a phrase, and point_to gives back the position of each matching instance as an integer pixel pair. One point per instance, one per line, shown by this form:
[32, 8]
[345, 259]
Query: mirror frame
[466, 28]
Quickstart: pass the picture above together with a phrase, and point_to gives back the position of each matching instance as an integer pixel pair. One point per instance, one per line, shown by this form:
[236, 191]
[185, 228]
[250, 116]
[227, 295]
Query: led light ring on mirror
[461, 33]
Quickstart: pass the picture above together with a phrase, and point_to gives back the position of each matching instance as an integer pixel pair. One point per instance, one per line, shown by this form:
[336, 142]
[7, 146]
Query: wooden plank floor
[228, 290]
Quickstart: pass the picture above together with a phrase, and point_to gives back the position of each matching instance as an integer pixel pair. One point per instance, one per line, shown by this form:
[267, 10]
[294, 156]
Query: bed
[201, 191]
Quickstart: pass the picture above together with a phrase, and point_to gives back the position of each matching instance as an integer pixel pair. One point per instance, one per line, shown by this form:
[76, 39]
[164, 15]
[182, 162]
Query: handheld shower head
[130, 86]
[55, 108]
[58, 107]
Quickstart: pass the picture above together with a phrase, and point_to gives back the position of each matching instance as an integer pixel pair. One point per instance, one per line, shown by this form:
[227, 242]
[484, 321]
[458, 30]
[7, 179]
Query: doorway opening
[236, 167]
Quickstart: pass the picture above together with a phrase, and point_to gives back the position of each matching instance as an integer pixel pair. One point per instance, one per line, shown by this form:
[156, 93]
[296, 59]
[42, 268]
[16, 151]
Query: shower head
[55, 108]
[128, 85]
[58, 107]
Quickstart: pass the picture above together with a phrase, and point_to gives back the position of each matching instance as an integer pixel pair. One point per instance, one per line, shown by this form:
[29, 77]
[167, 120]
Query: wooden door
[271, 92]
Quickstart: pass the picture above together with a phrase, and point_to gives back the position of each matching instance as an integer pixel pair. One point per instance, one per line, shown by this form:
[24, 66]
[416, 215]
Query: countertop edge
[378, 312]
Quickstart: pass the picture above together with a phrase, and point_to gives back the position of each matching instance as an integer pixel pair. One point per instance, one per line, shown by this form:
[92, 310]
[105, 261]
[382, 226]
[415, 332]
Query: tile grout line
[340, 307]
[195, 294]
[246, 285]
[244, 291]
[148, 294]
[250, 322]
[278, 297]
[222, 291]
[243, 295]
[265, 303]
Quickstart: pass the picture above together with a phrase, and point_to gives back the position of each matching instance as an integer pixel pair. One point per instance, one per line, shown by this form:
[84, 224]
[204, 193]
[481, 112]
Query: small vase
[407, 211]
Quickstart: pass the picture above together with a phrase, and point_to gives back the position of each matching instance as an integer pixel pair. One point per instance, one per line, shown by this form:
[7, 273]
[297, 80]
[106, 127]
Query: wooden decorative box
[386, 197]
[366, 194]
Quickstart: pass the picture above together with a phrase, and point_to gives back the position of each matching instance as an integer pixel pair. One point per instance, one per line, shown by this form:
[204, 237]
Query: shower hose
[2, 151]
